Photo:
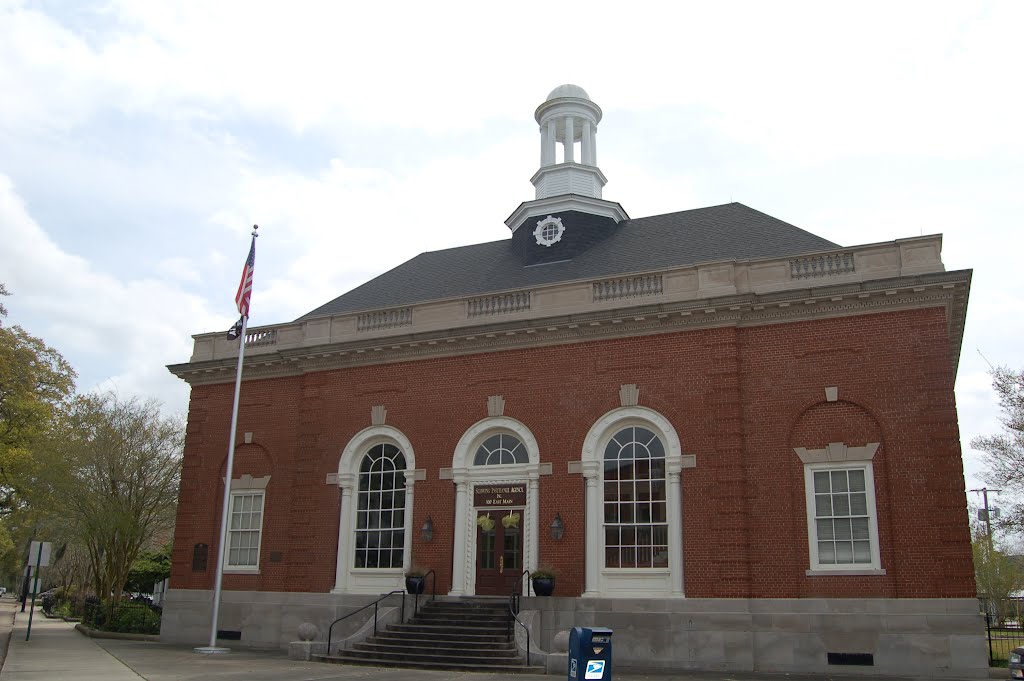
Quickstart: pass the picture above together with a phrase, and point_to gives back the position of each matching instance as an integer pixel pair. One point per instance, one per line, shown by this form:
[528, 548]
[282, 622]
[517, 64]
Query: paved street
[57, 652]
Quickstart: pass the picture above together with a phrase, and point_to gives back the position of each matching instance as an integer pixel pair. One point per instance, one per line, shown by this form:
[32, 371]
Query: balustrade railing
[255, 339]
[629, 287]
[827, 265]
[501, 304]
[384, 319]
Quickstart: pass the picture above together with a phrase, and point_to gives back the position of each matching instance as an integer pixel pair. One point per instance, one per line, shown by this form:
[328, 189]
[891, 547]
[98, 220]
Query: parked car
[1016, 663]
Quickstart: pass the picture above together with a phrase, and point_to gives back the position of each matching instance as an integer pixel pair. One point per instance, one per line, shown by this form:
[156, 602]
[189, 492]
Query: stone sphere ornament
[307, 631]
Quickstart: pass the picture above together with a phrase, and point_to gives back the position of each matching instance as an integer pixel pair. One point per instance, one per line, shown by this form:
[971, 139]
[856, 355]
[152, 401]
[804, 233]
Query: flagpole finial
[254, 228]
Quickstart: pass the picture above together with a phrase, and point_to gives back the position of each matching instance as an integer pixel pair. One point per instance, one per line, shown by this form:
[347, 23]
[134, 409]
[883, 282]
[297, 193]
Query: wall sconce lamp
[427, 531]
[557, 527]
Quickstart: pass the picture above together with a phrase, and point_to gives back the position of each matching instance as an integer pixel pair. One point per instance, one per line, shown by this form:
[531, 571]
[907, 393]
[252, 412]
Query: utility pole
[988, 511]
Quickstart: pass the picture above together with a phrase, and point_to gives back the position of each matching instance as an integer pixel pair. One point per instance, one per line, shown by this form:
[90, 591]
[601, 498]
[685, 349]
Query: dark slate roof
[728, 232]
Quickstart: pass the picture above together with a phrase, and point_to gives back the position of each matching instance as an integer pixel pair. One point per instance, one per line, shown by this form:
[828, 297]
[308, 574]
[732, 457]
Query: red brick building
[735, 442]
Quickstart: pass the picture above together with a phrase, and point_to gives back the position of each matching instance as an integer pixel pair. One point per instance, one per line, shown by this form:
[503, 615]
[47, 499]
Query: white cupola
[566, 117]
[569, 183]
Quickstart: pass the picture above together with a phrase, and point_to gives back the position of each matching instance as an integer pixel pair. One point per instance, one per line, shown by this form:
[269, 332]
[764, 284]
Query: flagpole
[225, 508]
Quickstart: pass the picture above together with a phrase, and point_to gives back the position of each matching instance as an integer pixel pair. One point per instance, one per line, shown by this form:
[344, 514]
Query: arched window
[633, 462]
[635, 517]
[380, 519]
[501, 449]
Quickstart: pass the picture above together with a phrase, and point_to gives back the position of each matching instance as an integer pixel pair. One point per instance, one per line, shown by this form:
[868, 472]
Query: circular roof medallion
[549, 231]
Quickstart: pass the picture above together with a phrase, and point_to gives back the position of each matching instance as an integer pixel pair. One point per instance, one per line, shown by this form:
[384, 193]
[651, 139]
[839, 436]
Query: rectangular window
[244, 529]
[842, 527]
[635, 523]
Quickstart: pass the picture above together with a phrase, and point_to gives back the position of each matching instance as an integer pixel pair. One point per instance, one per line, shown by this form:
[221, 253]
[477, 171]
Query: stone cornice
[627, 317]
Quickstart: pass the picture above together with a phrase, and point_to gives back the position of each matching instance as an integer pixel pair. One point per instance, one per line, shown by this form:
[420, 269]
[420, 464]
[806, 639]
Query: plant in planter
[416, 579]
[543, 579]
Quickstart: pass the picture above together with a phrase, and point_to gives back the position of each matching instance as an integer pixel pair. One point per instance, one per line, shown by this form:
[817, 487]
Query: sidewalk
[56, 651]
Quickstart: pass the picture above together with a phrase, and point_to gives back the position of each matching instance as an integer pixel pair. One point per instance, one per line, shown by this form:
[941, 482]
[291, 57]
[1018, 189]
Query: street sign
[39, 559]
[38, 556]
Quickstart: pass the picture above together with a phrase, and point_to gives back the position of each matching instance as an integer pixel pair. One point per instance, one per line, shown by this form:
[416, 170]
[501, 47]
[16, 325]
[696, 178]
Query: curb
[96, 633]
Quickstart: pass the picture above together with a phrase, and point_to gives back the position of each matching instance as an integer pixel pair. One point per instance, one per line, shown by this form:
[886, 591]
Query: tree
[1003, 454]
[34, 379]
[111, 469]
[69, 569]
[148, 569]
[998, 574]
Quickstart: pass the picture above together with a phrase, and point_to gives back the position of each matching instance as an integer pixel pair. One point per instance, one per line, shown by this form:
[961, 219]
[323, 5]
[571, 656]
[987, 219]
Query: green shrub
[131, 619]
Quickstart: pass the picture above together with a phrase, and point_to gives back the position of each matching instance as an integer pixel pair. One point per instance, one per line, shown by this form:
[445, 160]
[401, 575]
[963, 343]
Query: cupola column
[549, 144]
[567, 141]
[587, 145]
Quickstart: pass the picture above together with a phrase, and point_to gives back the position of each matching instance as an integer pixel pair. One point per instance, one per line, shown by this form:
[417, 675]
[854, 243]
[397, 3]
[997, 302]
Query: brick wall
[739, 398]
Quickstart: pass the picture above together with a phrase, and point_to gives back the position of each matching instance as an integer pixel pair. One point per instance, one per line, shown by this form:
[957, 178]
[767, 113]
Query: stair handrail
[330, 629]
[513, 609]
[433, 591]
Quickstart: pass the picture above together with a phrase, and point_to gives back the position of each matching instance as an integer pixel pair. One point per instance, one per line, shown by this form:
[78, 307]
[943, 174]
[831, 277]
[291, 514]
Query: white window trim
[347, 577]
[246, 484]
[839, 456]
[633, 582]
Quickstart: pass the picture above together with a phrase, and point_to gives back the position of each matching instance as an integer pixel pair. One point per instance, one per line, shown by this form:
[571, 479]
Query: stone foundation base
[920, 638]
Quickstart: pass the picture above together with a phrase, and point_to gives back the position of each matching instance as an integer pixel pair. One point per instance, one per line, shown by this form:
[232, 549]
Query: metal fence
[125, 617]
[1004, 625]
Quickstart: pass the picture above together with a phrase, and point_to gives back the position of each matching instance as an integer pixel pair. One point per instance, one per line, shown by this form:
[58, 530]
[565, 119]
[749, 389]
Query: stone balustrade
[702, 281]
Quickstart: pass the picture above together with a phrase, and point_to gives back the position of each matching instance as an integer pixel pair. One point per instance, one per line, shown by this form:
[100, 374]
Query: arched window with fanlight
[500, 449]
[635, 516]
[633, 462]
[380, 513]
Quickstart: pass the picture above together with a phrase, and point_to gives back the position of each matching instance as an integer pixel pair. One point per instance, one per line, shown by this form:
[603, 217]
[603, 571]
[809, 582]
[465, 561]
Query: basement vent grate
[861, 659]
[229, 635]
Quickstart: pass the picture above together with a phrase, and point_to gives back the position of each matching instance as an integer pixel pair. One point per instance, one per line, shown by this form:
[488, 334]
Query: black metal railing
[330, 630]
[433, 591]
[513, 609]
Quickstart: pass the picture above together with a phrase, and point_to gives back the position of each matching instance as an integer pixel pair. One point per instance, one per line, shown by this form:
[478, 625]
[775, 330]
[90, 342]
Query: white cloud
[797, 78]
[146, 138]
[107, 328]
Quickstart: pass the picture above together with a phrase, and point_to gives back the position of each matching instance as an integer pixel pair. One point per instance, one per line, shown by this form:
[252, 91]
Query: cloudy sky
[139, 141]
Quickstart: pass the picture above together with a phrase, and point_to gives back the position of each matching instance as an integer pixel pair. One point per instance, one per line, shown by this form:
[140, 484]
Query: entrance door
[499, 551]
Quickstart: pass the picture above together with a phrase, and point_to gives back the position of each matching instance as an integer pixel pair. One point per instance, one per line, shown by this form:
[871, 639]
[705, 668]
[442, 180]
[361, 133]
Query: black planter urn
[415, 584]
[543, 586]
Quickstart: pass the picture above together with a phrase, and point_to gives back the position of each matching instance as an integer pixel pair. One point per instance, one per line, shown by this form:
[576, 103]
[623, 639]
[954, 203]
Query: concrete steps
[463, 635]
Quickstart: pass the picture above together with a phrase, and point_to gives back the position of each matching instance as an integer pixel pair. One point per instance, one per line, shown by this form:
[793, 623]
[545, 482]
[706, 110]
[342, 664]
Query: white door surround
[466, 476]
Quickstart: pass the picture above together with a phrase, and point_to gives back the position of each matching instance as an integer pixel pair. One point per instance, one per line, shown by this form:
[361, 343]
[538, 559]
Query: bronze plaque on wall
[499, 496]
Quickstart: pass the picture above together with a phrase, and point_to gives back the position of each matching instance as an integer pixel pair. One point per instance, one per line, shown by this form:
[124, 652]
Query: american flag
[245, 286]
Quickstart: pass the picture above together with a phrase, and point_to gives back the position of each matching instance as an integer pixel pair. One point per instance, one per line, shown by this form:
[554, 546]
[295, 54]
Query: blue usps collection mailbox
[590, 654]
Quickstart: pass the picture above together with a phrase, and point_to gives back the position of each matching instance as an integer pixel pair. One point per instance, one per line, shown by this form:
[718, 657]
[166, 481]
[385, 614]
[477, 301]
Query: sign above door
[499, 496]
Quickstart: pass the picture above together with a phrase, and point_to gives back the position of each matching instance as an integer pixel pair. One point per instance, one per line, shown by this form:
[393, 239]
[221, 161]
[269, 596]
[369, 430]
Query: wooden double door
[499, 551]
